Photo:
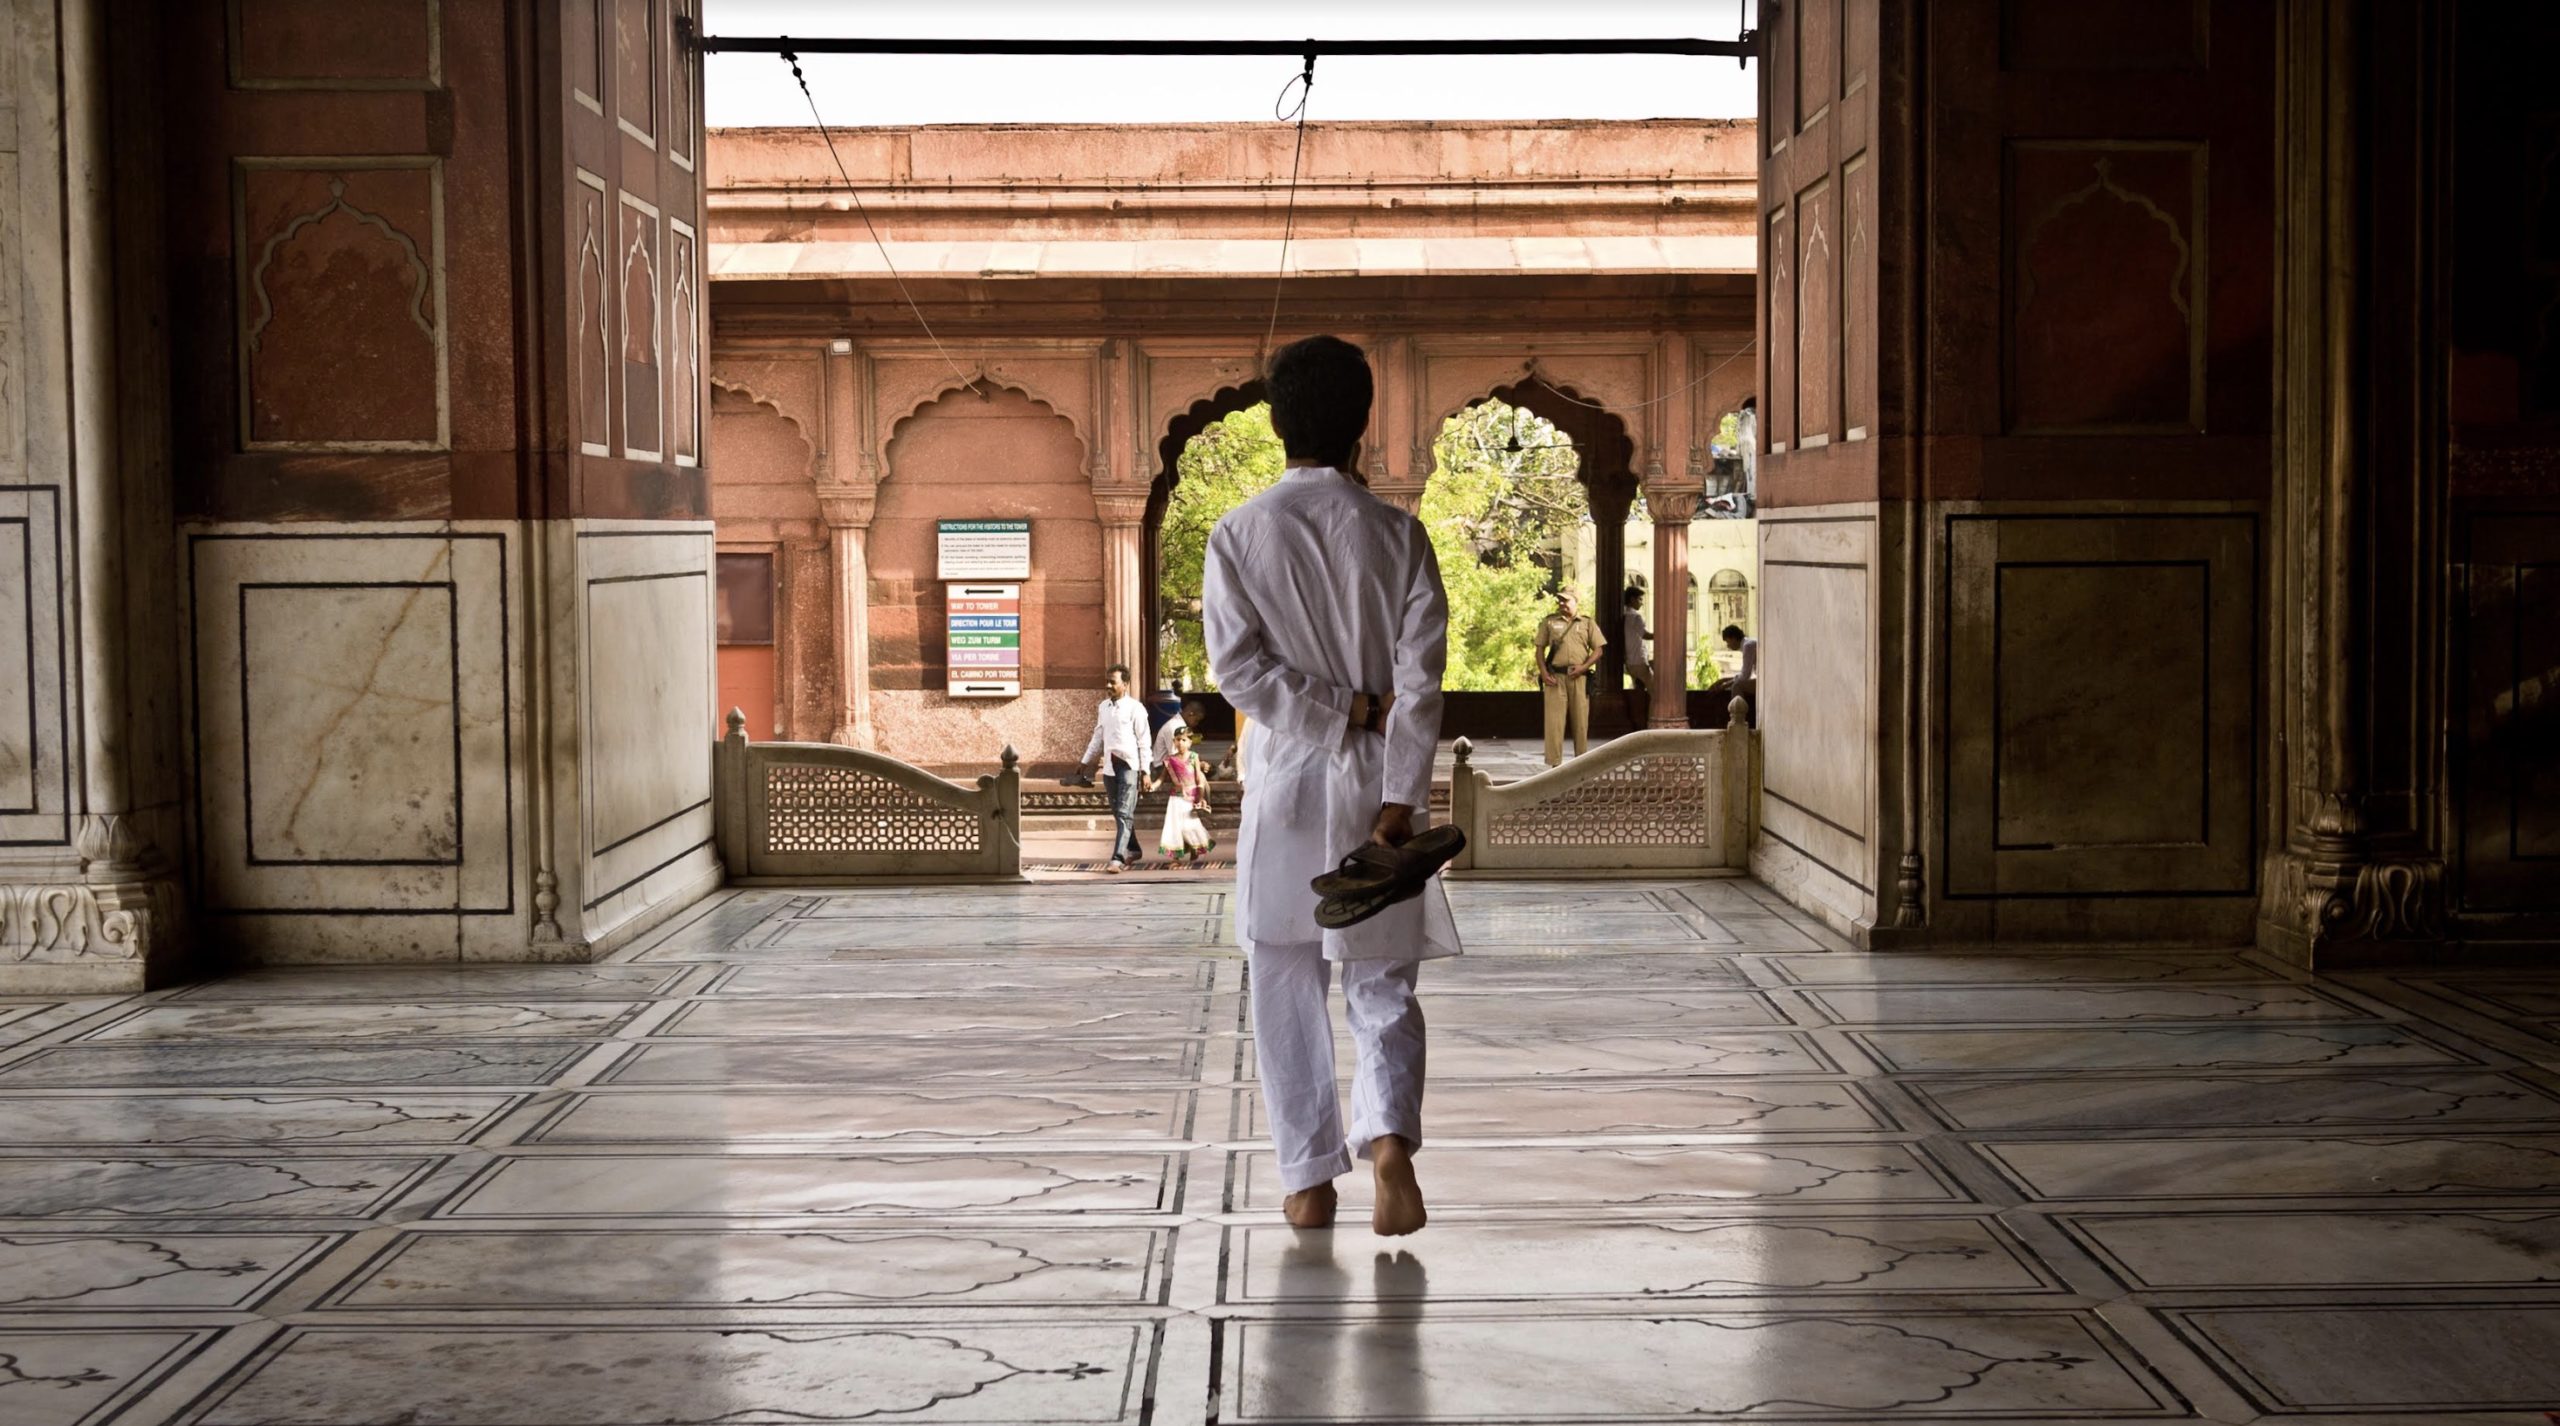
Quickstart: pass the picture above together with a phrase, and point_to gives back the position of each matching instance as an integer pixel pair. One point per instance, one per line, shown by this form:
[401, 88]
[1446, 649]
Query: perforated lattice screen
[1644, 802]
[826, 809]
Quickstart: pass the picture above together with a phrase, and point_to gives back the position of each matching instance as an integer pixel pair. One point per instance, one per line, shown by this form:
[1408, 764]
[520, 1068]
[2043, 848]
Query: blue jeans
[1121, 783]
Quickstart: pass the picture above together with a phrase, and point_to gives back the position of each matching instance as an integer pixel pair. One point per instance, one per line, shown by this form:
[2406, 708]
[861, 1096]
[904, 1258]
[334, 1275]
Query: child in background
[1186, 838]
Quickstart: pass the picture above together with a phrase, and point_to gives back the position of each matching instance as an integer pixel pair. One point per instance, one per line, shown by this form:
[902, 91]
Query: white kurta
[1316, 590]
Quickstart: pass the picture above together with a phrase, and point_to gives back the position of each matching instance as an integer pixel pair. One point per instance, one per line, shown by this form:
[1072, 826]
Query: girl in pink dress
[1186, 838]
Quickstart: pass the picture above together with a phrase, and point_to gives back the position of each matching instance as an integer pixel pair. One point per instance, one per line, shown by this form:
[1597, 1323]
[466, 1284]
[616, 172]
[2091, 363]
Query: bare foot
[1398, 1210]
[1309, 1207]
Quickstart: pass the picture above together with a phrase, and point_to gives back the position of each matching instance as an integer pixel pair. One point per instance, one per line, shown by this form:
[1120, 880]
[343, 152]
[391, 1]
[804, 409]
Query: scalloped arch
[986, 380]
[736, 387]
[1534, 390]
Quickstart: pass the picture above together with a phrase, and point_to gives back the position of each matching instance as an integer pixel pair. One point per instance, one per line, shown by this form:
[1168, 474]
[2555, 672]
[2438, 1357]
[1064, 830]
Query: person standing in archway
[1327, 625]
[1569, 643]
[1637, 649]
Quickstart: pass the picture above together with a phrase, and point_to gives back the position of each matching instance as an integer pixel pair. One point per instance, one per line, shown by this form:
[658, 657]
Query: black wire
[792, 58]
[1305, 82]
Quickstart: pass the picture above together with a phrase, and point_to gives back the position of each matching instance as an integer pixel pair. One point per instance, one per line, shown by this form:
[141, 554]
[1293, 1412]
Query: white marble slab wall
[1819, 683]
[2101, 722]
[370, 715]
[354, 712]
[645, 724]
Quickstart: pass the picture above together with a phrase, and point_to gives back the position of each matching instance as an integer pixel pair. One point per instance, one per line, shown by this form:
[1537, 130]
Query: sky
[858, 90]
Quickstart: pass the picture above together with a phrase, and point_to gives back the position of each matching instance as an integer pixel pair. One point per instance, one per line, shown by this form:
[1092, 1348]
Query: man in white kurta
[1327, 626]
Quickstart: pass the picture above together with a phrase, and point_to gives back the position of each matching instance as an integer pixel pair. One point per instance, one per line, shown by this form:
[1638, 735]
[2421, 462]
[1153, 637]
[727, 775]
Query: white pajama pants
[1293, 1047]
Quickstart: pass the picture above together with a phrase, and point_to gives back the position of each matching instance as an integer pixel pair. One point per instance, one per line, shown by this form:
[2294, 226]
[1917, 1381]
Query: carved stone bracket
[852, 505]
[1120, 507]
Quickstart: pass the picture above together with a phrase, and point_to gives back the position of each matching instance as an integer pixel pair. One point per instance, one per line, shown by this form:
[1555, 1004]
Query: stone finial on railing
[736, 722]
[1464, 751]
[1737, 714]
[1009, 759]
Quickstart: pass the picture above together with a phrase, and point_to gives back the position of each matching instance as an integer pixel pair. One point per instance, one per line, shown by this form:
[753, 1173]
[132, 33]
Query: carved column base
[106, 930]
[2327, 903]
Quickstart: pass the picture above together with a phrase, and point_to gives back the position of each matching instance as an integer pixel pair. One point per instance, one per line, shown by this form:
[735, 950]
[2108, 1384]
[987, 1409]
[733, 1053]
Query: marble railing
[1673, 799]
[818, 812]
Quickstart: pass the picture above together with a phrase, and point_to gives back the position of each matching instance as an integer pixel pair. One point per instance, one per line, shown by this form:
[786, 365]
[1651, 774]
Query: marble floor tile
[642, 1270]
[1493, 1261]
[1013, 1015]
[1910, 968]
[1625, 1012]
[2164, 1047]
[815, 1185]
[1468, 975]
[982, 933]
[128, 1190]
[2346, 1248]
[175, 1064]
[1661, 1178]
[367, 1021]
[164, 1272]
[459, 982]
[1849, 1366]
[1538, 926]
[748, 1116]
[1157, 976]
[611, 1376]
[2376, 1357]
[2427, 1098]
[1511, 1109]
[1037, 902]
[1486, 1054]
[76, 1377]
[990, 1060]
[2329, 1166]
[2096, 1004]
[191, 1121]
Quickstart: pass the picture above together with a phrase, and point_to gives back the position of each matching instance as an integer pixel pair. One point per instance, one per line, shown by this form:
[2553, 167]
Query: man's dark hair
[1119, 671]
[1201, 704]
[1733, 631]
[1320, 390]
[1635, 595]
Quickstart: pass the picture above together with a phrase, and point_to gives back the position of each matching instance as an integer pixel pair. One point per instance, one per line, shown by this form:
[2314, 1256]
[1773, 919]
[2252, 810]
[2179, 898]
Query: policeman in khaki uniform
[1569, 644]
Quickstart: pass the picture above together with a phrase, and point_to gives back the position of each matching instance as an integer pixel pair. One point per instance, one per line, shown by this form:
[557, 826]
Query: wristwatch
[1369, 711]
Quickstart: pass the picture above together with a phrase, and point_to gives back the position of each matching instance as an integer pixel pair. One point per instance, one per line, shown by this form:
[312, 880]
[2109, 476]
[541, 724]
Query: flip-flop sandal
[1369, 866]
[1416, 866]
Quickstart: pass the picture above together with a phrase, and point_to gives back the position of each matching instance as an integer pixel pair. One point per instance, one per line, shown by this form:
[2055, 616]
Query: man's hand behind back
[1394, 826]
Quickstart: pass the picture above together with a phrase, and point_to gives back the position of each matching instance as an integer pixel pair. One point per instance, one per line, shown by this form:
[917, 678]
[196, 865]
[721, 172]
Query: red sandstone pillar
[1124, 573]
[1672, 511]
[848, 525]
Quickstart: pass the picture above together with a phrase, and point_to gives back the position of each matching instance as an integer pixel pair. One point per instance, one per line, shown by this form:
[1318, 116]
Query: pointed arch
[1179, 432]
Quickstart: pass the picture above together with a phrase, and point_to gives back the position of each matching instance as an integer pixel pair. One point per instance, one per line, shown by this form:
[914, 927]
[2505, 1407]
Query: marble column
[1672, 511]
[1124, 574]
[88, 899]
[848, 519]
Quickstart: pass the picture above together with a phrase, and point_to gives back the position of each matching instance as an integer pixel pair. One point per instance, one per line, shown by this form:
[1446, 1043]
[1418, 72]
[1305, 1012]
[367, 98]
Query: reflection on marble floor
[987, 1155]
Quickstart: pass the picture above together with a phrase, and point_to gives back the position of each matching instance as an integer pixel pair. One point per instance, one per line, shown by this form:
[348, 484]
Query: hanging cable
[792, 58]
[1304, 83]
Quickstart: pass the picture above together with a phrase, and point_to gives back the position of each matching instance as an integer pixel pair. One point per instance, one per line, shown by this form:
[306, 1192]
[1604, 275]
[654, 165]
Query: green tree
[1500, 507]
[1233, 460]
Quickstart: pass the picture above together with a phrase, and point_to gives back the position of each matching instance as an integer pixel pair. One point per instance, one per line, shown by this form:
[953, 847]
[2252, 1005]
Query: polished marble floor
[989, 1155]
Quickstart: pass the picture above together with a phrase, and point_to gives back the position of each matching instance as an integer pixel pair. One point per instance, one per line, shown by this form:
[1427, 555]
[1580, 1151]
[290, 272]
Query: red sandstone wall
[1003, 457]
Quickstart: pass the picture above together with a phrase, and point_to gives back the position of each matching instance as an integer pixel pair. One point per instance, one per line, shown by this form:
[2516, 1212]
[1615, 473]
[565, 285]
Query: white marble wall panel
[1818, 714]
[352, 728]
[645, 696]
[2101, 699]
[34, 695]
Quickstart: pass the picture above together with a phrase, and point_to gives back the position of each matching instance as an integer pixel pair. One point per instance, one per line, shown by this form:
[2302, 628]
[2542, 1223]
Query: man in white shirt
[1635, 645]
[1120, 744]
[1745, 682]
[1327, 626]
